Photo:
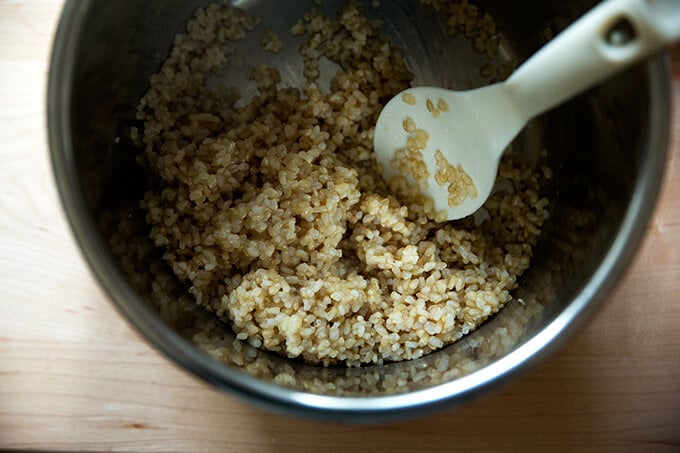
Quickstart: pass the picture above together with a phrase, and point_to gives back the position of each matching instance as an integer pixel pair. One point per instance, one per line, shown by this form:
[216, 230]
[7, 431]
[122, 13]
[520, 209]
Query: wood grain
[74, 376]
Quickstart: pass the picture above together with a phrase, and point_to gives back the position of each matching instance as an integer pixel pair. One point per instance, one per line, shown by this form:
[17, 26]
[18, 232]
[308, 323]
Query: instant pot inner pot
[595, 146]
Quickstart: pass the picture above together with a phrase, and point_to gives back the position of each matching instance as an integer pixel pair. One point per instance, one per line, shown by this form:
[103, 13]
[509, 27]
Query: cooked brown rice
[276, 217]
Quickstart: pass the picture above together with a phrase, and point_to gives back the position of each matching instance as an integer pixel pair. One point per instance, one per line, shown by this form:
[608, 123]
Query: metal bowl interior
[607, 149]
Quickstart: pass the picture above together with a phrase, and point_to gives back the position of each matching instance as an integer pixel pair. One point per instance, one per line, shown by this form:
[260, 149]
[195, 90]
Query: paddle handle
[612, 36]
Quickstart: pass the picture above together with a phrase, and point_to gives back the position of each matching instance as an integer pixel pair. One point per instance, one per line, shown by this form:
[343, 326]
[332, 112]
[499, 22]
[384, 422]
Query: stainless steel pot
[607, 152]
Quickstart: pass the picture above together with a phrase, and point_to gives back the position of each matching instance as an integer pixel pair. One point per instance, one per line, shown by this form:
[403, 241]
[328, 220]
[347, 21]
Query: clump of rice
[272, 42]
[459, 184]
[409, 160]
[275, 215]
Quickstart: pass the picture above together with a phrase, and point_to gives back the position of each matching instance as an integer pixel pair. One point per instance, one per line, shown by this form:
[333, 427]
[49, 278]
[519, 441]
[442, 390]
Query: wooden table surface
[74, 376]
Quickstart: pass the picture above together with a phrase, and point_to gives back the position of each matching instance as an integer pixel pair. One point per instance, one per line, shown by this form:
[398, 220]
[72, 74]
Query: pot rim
[342, 408]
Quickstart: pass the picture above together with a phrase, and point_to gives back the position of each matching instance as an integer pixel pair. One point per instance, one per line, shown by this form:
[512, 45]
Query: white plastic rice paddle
[455, 159]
